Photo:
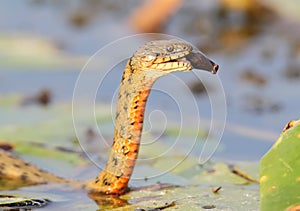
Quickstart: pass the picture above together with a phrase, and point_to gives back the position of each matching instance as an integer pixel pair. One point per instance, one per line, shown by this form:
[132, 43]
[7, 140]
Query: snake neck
[133, 94]
[134, 90]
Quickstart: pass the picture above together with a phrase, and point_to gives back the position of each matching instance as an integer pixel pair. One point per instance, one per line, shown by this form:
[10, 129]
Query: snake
[150, 62]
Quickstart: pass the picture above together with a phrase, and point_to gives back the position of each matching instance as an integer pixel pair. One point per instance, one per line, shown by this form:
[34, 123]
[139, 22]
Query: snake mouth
[180, 61]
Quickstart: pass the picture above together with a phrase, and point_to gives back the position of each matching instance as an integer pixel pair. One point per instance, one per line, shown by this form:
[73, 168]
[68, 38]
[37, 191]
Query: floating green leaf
[193, 197]
[23, 50]
[280, 171]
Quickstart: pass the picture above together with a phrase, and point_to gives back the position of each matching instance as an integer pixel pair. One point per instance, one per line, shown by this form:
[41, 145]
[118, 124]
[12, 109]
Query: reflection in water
[105, 201]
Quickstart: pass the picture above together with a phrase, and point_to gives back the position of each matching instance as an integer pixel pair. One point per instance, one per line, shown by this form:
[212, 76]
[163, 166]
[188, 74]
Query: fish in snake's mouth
[199, 61]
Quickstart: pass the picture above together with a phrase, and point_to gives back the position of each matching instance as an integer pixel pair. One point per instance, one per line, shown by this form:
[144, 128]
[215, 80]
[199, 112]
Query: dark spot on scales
[119, 176]
[123, 150]
[37, 174]
[115, 161]
[24, 176]
[130, 64]
[105, 182]
[16, 165]
[117, 114]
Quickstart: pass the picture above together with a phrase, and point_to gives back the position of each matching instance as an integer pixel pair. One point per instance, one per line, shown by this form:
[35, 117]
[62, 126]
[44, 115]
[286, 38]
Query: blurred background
[44, 44]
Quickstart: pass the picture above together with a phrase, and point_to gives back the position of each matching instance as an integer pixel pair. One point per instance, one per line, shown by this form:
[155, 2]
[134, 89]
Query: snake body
[150, 62]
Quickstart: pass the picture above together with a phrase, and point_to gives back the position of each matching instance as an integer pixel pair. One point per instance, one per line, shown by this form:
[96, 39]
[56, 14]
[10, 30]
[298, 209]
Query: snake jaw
[182, 64]
[171, 66]
[166, 64]
[176, 62]
[172, 57]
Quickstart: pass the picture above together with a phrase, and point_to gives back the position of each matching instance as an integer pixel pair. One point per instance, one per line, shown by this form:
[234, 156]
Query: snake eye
[170, 48]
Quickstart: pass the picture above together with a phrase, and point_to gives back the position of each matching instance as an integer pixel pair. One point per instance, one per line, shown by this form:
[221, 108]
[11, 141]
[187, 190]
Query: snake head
[169, 56]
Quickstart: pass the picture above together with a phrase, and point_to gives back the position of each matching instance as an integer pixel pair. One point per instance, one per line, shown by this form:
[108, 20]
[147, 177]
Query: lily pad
[10, 202]
[44, 131]
[280, 171]
[24, 50]
[221, 173]
[193, 197]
